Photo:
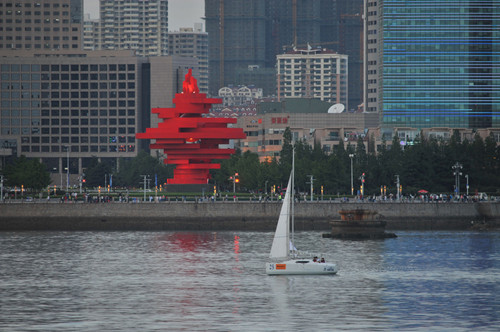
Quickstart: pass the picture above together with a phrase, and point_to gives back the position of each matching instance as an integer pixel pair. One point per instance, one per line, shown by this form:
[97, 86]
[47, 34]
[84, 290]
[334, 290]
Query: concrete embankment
[252, 216]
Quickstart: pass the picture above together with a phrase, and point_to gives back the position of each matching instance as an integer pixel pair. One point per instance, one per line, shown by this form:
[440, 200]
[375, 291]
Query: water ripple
[213, 281]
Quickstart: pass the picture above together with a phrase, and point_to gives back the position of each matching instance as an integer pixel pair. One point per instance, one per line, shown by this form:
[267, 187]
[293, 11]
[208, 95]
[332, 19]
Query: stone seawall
[234, 215]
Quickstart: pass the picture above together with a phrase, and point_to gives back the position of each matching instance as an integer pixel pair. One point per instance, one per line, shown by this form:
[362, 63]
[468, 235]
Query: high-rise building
[41, 25]
[434, 64]
[237, 32]
[76, 105]
[313, 73]
[373, 45]
[189, 42]
[246, 36]
[349, 19]
[91, 35]
[136, 25]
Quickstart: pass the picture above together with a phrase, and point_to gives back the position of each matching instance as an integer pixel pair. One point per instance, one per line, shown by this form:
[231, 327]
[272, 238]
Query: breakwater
[252, 216]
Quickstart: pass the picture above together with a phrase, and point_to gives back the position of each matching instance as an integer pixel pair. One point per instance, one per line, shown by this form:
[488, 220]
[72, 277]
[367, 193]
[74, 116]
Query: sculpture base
[190, 188]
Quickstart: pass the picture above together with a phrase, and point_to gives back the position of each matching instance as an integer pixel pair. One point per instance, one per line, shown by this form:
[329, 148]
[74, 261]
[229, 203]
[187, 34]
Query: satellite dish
[337, 108]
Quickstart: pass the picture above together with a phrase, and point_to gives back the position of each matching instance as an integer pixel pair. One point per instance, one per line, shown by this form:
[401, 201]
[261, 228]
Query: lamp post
[236, 180]
[456, 171]
[397, 188]
[67, 167]
[146, 183]
[312, 185]
[352, 183]
[1, 185]
[467, 186]
[110, 184]
[362, 178]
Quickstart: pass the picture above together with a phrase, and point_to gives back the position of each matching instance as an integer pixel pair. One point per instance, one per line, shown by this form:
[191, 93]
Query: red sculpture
[189, 140]
[190, 85]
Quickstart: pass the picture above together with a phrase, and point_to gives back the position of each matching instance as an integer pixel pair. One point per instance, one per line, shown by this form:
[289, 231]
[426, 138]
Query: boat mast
[293, 194]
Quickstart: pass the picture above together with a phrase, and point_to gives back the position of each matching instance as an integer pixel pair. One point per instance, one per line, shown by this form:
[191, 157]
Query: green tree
[270, 172]
[424, 165]
[248, 168]
[440, 177]
[361, 154]
[304, 166]
[228, 167]
[491, 150]
[286, 153]
[417, 167]
[30, 173]
[130, 171]
[96, 172]
[455, 147]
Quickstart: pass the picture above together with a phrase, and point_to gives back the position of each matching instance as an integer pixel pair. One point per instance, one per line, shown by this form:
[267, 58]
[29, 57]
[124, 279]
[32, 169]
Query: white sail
[285, 257]
[280, 248]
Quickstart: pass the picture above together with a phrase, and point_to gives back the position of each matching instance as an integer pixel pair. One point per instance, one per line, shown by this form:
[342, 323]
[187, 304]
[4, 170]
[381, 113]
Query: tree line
[427, 164]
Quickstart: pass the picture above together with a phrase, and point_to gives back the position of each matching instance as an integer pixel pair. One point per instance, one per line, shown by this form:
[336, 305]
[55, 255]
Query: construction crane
[294, 21]
[221, 43]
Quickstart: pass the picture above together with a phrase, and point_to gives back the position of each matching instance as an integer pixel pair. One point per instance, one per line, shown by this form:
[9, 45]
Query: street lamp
[467, 178]
[236, 180]
[67, 167]
[1, 190]
[456, 171]
[312, 185]
[362, 178]
[397, 187]
[352, 183]
[146, 184]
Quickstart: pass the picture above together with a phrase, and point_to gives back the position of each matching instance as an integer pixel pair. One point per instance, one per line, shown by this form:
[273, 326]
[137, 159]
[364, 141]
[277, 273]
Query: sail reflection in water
[129, 281]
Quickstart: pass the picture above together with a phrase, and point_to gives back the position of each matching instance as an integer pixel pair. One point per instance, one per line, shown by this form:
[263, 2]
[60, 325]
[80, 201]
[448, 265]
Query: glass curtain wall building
[441, 63]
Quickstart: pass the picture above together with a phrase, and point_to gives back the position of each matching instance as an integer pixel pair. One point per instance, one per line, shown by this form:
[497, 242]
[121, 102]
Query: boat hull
[300, 266]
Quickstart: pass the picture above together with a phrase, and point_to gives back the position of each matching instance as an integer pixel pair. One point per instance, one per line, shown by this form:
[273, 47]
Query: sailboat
[284, 257]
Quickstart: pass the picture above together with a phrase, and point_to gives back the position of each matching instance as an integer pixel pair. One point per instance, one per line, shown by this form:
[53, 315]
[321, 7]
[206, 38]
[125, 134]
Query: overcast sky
[181, 13]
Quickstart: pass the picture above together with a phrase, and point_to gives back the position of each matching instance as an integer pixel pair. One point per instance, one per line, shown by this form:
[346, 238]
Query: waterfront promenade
[234, 215]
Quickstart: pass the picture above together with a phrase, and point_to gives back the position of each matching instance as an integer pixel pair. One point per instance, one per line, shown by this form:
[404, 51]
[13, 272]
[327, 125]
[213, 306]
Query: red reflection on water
[236, 247]
[236, 287]
[188, 242]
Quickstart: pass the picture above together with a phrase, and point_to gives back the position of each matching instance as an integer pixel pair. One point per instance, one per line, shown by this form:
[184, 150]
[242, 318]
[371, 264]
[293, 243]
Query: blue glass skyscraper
[441, 63]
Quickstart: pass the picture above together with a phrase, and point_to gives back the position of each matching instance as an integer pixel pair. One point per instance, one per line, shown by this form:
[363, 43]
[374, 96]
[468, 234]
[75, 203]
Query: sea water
[216, 281]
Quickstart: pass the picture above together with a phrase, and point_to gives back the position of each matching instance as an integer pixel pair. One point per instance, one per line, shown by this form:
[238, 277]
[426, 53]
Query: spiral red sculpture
[189, 140]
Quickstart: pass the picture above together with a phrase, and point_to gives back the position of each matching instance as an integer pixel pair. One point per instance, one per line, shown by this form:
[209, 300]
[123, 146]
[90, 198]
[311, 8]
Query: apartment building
[313, 73]
[41, 24]
[192, 42]
[91, 35]
[136, 25]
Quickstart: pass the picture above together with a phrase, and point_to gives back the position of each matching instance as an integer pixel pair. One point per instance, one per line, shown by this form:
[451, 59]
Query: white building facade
[135, 25]
[241, 95]
[313, 73]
